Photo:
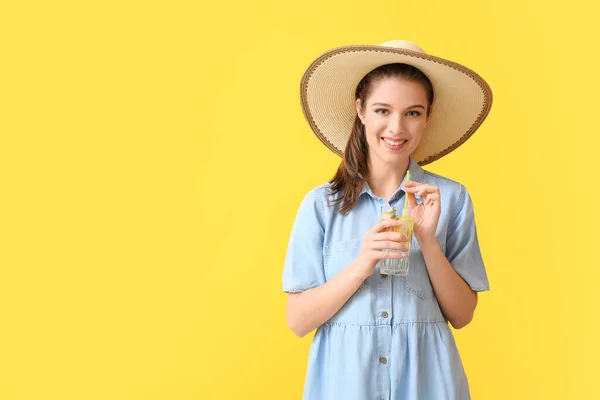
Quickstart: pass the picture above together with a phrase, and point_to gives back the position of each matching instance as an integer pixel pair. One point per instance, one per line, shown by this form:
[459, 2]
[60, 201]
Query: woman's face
[395, 116]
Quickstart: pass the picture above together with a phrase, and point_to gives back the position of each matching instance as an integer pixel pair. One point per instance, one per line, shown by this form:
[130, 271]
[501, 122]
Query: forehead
[397, 92]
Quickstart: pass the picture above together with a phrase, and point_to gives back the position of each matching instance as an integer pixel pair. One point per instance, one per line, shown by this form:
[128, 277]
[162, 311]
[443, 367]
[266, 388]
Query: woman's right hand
[376, 241]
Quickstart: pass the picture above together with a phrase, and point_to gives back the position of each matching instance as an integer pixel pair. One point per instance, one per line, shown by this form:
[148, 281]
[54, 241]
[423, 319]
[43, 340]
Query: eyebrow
[387, 105]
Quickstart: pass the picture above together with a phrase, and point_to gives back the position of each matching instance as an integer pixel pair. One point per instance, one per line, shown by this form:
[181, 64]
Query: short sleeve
[462, 246]
[303, 268]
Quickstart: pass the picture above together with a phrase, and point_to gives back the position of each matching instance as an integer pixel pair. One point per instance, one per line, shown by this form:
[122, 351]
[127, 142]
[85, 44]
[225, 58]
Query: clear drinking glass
[399, 266]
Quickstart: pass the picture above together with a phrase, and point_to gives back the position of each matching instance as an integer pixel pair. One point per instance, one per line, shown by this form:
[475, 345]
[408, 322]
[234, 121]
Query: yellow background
[153, 156]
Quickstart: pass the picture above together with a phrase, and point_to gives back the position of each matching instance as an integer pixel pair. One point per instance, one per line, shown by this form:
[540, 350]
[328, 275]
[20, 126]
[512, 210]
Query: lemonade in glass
[397, 266]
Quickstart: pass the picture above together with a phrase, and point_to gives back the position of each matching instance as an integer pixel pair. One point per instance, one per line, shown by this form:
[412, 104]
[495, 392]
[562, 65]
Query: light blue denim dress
[390, 340]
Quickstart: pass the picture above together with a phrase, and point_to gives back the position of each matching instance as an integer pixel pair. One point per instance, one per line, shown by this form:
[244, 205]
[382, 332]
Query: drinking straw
[405, 209]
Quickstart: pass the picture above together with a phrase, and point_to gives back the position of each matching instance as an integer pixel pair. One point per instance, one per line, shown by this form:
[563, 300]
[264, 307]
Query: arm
[310, 309]
[458, 275]
[456, 298]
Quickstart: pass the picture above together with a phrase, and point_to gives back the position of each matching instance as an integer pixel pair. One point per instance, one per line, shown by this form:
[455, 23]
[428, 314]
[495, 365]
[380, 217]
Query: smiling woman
[392, 108]
[392, 103]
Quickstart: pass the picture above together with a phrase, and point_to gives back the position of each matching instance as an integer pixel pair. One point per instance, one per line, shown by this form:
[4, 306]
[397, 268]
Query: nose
[395, 124]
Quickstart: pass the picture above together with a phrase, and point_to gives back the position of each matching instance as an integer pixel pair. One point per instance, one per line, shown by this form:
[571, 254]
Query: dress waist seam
[377, 323]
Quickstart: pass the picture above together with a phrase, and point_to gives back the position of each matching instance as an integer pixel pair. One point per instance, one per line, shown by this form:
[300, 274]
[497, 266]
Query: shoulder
[313, 202]
[322, 194]
[442, 181]
[321, 202]
[317, 193]
[445, 184]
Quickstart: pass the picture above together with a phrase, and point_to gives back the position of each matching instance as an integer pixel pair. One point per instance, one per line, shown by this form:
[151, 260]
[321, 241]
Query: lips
[393, 143]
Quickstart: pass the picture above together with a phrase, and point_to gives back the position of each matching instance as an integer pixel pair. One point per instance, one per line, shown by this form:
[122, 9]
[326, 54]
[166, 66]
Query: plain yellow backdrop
[153, 155]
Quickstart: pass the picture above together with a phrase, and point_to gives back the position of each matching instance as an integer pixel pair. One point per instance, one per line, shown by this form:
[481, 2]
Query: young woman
[386, 110]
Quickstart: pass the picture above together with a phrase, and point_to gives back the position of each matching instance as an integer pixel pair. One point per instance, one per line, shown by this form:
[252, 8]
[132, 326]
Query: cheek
[371, 138]
[418, 127]
[417, 137]
[375, 128]
[371, 130]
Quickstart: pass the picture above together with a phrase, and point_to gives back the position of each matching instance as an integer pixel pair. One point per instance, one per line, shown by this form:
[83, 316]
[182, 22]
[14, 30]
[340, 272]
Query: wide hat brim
[462, 98]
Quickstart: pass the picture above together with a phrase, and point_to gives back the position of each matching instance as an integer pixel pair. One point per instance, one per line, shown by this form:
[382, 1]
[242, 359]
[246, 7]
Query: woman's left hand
[426, 214]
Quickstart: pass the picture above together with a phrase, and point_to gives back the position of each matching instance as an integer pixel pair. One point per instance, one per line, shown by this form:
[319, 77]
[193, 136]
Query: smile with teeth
[391, 143]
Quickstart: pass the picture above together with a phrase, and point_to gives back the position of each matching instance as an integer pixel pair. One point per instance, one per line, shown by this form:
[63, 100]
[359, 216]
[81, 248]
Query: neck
[384, 178]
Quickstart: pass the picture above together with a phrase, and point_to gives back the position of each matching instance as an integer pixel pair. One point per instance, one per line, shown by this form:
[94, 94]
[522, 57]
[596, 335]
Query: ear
[359, 111]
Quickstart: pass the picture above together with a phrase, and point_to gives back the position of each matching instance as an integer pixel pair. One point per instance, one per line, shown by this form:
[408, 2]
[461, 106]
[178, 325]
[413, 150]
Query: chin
[396, 158]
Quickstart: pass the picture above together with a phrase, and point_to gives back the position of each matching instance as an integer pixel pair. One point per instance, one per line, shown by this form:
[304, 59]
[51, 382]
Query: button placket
[385, 305]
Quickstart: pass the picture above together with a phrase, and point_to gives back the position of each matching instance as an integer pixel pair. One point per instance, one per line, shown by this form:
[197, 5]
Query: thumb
[412, 200]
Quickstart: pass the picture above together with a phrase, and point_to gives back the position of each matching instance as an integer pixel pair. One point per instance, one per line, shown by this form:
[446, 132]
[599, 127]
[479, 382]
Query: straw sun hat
[462, 99]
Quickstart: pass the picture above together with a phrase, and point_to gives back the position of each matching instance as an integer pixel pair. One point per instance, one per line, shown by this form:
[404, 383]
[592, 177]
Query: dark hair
[353, 170]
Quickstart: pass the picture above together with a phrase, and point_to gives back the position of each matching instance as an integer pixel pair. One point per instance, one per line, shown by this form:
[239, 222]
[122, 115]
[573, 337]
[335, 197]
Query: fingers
[431, 198]
[430, 194]
[412, 200]
[383, 241]
[420, 189]
[389, 254]
[390, 236]
[383, 224]
[389, 245]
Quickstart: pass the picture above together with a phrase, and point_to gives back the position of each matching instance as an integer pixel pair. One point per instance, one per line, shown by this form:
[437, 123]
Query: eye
[413, 114]
[382, 111]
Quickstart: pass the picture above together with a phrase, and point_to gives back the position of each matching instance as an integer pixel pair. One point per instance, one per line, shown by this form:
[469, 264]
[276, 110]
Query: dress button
[383, 360]
[384, 314]
[383, 276]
